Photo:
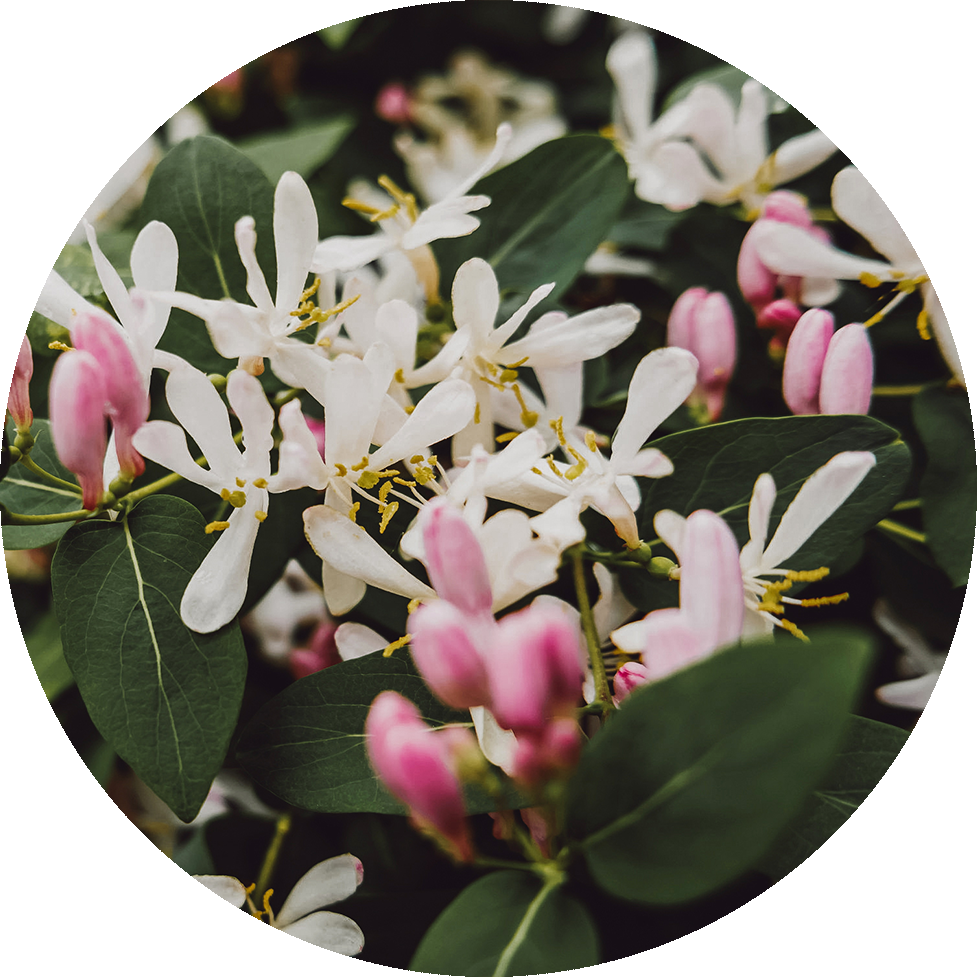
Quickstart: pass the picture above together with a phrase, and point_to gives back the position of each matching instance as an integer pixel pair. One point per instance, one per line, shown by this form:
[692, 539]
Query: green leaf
[893, 823]
[549, 212]
[697, 774]
[949, 484]
[28, 494]
[303, 149]
[44, 97]
[908, 60]
[32, 673]
[307, 744]
[717, 466]
[730, 79]
[164, 697]
[508, 923]
[200, 189]
[335, 20]
[644, 225]
[61, 862]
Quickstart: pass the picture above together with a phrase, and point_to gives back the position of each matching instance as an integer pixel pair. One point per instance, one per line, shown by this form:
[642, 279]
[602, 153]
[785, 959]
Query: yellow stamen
[517, 364]
[423, 474]
[502, 438]
[536, 471]
[824, 601]
[352, 204]
[340, 470]
[368, 480]
[213, 527]
[793, 629]
[416, 459]
[389, 512]
[869, 280]
[412, 605]
[807, 576]
[507, 376]
[240, 482]
[409, 409]
[394, 645]
[384, 491]
[237, 499]
[557, 425]
[404, 481]
[360, 465]
[353, 511]
[266, 907]
[260, 483]
[579, 468]
[260, 515]
[405, 200]
[923, 325]
[399, 376]
[478, 413]
[591, 440]
[527, 417]
[61, 347]
[494, 383]
[382, 215]
[556, 471]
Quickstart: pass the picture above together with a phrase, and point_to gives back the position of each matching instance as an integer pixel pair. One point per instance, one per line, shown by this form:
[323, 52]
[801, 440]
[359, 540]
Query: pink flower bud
[781, 315]
[546, 753]
[442, 648]
[849, 368]
[418, 766]
[394, 103]
[804, 362]
[127, 399]
[756, 281]
[16, 367]
[787, 207]
[77, 406]
[454, 560]
[320, 654]
[702, 322]
[629, 676]
[536, 667]
[966, 283]
[318, 429]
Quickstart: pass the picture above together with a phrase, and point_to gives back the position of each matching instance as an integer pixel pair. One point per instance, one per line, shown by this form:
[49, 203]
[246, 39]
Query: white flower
[919, 661]
[821, 495]
[266, 329]
[217, 589]
[181, 903]
[330, 881]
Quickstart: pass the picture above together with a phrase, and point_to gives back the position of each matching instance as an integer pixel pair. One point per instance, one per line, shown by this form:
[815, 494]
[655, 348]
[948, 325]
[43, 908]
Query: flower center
[772, 604]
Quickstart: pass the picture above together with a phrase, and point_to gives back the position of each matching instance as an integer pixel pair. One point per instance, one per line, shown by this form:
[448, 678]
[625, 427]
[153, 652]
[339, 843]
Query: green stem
[33, 466]
[907, 504]
[601, 687]
[20, 519]
[519, 937]
[897, 529]
[906, 390]
[502, 863]
[271, 856]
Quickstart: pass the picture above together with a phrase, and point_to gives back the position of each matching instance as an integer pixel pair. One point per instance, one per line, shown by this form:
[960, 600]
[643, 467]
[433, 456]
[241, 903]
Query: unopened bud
[19, 401]
[849, 368]
[661, 566]
[804, 362]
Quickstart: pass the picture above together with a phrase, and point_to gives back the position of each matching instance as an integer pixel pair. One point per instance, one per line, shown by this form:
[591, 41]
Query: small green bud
[120, 486]
[641, 554]
[661, 566]
[219, 382]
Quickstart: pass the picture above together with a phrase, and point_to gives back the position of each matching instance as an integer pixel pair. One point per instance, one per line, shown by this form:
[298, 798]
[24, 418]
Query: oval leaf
[165, 697]
[894, 823]
[697, 774]
[505, 924]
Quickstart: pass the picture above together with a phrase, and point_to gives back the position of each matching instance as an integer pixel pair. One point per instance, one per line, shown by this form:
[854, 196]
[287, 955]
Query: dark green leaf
[644, 225]
[303, 149]
[908, 60]
[166, 698]
[505, 924]
[29, 494]
[717, 466]
[335, 20]
[949, 484]
[200, 189]
[893, 823]
[697, 774]
[32, 673]
[549, 212]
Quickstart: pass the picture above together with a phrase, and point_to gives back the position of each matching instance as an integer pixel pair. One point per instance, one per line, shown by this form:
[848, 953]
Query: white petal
[560, 524]
[648, 463]
[61, 303]
[632, 65]
[498, 744]
[166, 444]
[341, 591]
[330, 881]
[257, 417]
[475, 299]
[449, 218]
[674, 176]
[299, 462]
[350, 253]
[911, 693]
[228, 888]
[670, 526]
[396, 325]
[761, 504]
[820, 496]
[750, 132]
[801, 154]
[612, 608]
[508, 328]
[941, 330]
[247, 240]
[296, 236]
[115, 290]
[357, 640]
[199, 408]
[331, 931]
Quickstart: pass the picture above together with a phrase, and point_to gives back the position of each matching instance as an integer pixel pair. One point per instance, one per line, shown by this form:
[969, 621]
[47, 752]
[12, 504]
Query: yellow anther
[502, 438]
[237, 499]
[870, 280]
[793, 629]
[770, 607]
[240, 482]
[399, 376]
[382, 215]
[557, 425]
[432, 460]
[315, 313]
[409, 409]
[527, 417]
[536, 471]
[389, 512]
[591, 440]
[824, 601]
[225, 494]
[962, 97]
[404, 199]
[61, 347]
[394, 645]
[384, 491]
[416, 459]
[311, 290]
[412, 605]
[352, 204]
[213, 527]
[478, 413]
[260, 483]
[364, 462]
[423, 474]
[325, 342]
[507, 376]
[556, 471]
[260, 516]
[923, 325]
[368, 480]
[906, 285]
[266, 907]
[807, 576]
[353, 511]
[250, 889]
[404, 481]
[517, 364]
[493, 383]
[489, 368]
[340, 470]
[579, 468]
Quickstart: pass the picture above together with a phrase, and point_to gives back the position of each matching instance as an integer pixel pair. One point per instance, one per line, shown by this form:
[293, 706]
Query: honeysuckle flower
[789, 251]
[102, 164]
[870, 114]
[119, 932]
[330, 881]
[710, 612]
[919, 662]
[484, 357]
[16, 368]
[821, 495]
[217, 589]
[252, 333]
[405, 227]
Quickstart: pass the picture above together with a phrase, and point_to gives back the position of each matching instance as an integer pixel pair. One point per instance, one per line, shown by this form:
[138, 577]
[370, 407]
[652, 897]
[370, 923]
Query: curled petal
[330, 931]
[330, 881]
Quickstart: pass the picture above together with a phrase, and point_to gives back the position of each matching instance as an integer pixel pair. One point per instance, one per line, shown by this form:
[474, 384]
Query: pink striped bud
[320, 654]
[629, 676]
[127, 399]
[547, 753]
[77, 406]
[536, 667]
[394, 103]
[419, 766]
[966, 283]
[446, 657]
[849, 368]
[16, 368]
[804, 362]
[702, 322]
[454, 560]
